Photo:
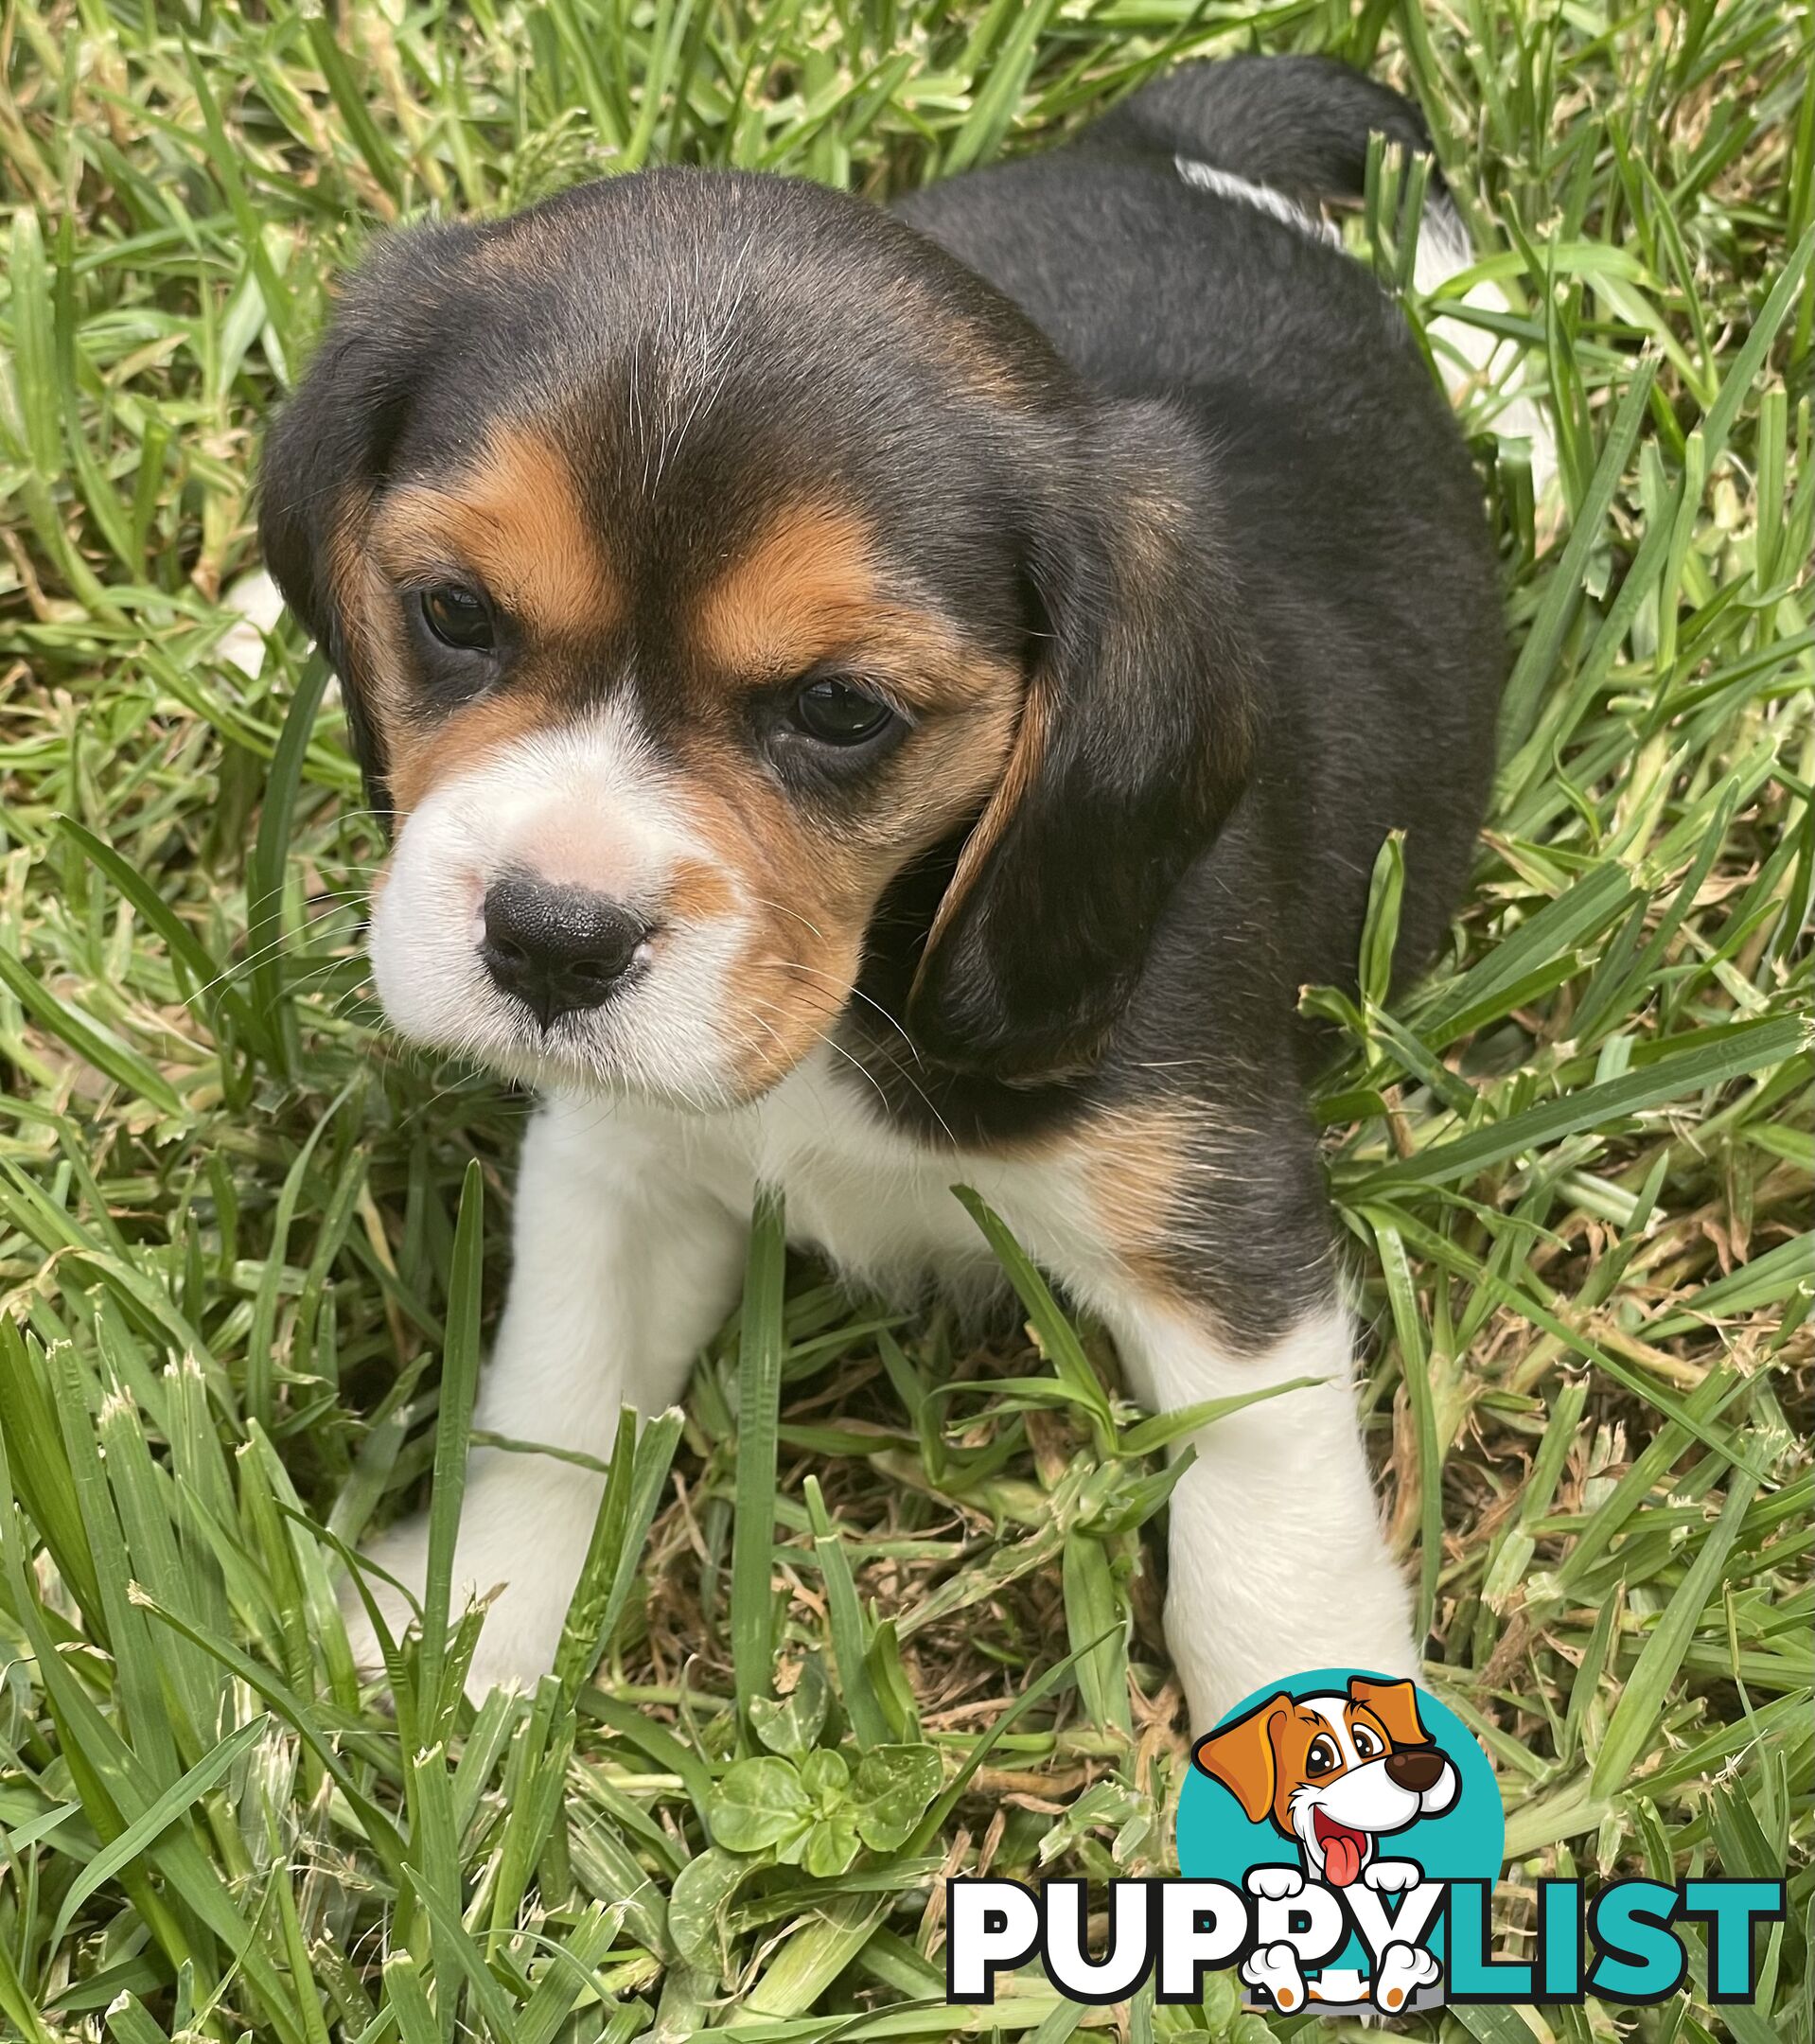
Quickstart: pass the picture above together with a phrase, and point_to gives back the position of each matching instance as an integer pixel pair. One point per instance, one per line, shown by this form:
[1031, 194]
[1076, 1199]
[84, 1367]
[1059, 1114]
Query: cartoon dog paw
[1275, 1882]
[1402, 1972]
[1392, 1876]
[1274, 1970]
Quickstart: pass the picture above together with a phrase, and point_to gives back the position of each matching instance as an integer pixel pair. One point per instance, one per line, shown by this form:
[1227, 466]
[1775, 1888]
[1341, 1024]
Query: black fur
[1226, 522]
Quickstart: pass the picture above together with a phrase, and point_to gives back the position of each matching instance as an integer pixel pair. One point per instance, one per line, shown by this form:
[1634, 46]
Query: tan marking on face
[1028, 749]
[807, 906]
[807, 593]
[514, 519]
[422, 758]
[367, 615]
[806, 583]
[810, 889]
[697, 893]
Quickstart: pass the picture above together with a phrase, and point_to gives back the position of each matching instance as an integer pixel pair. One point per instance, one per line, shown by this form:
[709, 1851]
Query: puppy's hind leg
[624, 1263]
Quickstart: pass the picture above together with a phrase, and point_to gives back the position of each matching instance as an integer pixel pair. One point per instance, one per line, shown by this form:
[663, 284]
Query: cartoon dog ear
[1241, 1756]
[329, 452]
[1133, 747]
[1395, 1704]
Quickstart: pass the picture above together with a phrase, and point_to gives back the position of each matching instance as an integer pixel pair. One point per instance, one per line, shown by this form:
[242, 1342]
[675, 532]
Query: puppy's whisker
[762, 900]
[287, 944]
[893, 1063]
[852, 992]
[838, 1049]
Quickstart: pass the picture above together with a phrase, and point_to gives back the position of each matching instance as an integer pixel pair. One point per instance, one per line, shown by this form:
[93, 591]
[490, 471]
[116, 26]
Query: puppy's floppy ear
[328, 454]
[1395, 1704]
[1131, 749]
[1241, 1756]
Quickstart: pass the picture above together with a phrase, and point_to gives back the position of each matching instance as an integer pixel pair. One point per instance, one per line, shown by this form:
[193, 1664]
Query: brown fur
[1017, 777]
[514, 519]
[1138, 1165]
[699, 892]
[363, 598]
[423, 756]
[804, 588]
[805, 591]
[811, 894]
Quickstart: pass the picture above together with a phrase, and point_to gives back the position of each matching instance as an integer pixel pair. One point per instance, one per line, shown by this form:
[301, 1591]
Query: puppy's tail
[1288, 135]
[1296, 126]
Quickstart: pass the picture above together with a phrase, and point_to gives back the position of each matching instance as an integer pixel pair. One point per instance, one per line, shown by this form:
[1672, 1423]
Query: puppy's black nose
[560, 949]
[1416, 1768]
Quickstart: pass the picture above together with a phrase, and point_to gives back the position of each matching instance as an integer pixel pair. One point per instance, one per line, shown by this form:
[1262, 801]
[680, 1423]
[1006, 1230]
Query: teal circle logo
[1332, 1798]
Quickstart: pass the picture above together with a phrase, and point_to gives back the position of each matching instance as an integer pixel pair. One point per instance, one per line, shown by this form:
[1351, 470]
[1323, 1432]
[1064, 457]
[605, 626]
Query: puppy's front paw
[1393, 1876]
[402, 1552]
[1275, 1883]
[518, 1638]
[522, 1539]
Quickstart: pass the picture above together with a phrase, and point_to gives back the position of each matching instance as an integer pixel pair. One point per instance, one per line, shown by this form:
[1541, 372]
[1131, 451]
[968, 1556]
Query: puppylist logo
[1339, 1837]
[1348, 1808]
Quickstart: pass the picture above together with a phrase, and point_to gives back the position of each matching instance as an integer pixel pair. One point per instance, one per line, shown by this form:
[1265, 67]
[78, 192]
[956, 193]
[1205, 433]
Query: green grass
[241, 1243]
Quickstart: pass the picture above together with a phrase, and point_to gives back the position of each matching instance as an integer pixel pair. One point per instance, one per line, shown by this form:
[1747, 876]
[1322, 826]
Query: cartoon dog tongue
[1343, 1850]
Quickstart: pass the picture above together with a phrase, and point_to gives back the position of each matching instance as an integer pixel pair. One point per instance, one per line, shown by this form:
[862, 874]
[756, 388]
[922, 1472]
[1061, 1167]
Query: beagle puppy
[869, 700]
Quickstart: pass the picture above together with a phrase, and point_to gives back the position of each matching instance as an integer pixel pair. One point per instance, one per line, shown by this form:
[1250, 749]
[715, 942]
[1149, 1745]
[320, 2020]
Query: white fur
[584, 805]
[1473, 362]
[625, 1264]
[1278, 1562]
[1475, 365]
[1244, 191]
[630, 1224]
[1402, 1972]
[1343, 1987]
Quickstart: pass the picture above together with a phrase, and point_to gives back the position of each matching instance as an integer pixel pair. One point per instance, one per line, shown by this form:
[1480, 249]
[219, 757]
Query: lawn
[249, 1246]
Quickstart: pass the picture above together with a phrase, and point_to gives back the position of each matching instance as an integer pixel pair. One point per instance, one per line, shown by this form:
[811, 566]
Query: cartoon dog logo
[1335, 1773]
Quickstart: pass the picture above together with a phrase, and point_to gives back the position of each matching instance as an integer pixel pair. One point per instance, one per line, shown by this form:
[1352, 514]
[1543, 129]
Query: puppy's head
[701, 555]
[1333, 1771]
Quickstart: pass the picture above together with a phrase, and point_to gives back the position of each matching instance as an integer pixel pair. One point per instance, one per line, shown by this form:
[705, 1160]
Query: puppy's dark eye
[1322, 1757]
[459, 617]
[1366, 1743]
[838, 713]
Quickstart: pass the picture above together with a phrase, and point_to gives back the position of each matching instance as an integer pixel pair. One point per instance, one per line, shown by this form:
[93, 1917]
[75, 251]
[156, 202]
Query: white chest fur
[881, 1206]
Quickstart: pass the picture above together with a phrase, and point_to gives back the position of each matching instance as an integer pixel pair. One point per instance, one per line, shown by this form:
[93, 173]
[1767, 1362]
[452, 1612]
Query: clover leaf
[893, 1785]
[696, 1901]
[792, 1726]
[758, 1802]
[815, 1813]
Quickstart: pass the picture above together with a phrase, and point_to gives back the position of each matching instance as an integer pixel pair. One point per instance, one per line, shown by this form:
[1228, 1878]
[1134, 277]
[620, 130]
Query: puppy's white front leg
[1278, 1560]
[624, 1266]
